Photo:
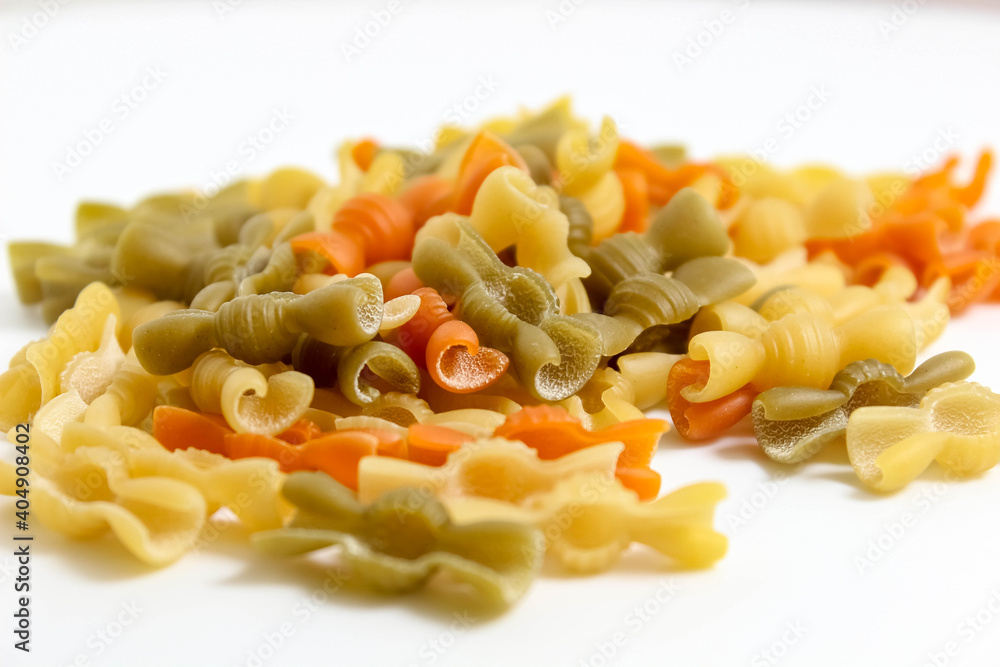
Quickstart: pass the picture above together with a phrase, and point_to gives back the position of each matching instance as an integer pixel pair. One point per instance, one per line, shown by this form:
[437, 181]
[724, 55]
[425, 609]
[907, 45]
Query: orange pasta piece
[426, 197]
[337, 454]
[431, 444]
[663, 183]
[645, 482]
[364, 152]
[177, 428]
[301, 431]
[403, 283]
[367, 229]
[636, 189]
[413, 336]
[456, 362]
[485, 154]
[699, 421]
[554, 433]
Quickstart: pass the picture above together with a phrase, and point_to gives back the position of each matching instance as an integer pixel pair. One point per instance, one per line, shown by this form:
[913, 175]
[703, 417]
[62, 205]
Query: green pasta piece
[581, 225]
[514, 310]
[302, 222]
[714, 279]
[539, 165]
[543, 130]
[686, 228]
[62, 279]
[167, 260]
[278, 275]
[794, 423]
[262, 328]
[616, 258]
[327, 364]
[649, 299]
[397, 543]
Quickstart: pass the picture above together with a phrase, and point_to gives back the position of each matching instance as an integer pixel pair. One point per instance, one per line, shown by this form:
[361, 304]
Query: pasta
[793, 423]
[399, 541]
[262, 328]
[442, 361]
[588, 522]
[956, 424]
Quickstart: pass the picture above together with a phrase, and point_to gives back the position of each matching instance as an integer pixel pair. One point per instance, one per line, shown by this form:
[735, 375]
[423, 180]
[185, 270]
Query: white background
[793, 563]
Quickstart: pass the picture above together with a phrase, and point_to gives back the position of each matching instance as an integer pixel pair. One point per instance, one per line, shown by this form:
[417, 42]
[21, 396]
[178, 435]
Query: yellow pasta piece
[589, 521]
[510, 210]
[608, 398]
[263, 399]
[767, 227]
[28, 387]
[128, 400]
[91, 373]
[801, 350]
[647, 372]
[495, 468]
[583, 160]
[398, 312]
[957, 425]
[605, 202]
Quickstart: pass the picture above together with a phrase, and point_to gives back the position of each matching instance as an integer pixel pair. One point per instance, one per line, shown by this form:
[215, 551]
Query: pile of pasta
[440, 364]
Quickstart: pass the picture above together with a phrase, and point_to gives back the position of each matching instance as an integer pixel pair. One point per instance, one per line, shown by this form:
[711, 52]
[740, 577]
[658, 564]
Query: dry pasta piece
[399, 541]
[176, 428]
[485, 154]
[431, 444]
[456, 362]
[336, 454]
[957, 425]
[366, 229]
[129, 398]
[301, 431]
[404, 282]
[494, 468]
[636, 191]
[664, 183]
[700, 421]
[263, 328]
[554, 433]
[794, 423]
[426, 197]
[800, 350]
[590, 521]
[252, 399]
[364, 152]
[37, 379]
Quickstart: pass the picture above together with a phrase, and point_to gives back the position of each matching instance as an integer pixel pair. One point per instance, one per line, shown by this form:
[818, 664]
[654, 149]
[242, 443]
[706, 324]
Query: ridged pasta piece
[539, 166]
[346, 365]
[252, 399]
[635, 190]
[605, 201]
[263, 328]
[956, 424]
[510, 210]
[647, 372]
[399, 541]
[794, 423]
[589, 521]
[707, 419]
[605, 400]
[486, 154]
[366, 229]
[512, 310]
[800, 350]
[767, 227]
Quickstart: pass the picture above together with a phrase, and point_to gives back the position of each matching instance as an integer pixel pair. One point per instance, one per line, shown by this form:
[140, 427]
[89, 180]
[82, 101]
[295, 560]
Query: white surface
[792, 562]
